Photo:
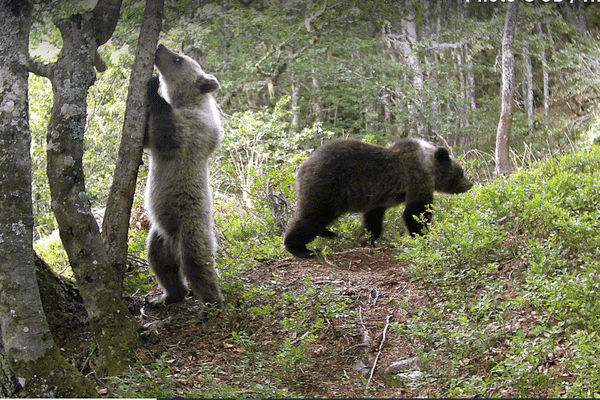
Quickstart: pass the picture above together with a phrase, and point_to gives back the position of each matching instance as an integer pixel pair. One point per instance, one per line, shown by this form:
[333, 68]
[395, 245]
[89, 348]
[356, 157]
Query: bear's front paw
[152, 86]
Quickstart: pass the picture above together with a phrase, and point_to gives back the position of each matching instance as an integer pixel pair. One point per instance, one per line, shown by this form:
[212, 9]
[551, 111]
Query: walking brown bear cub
[348, 176]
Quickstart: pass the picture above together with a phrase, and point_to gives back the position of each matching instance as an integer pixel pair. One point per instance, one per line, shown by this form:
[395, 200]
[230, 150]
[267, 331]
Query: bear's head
[449, 175]
[182, 78]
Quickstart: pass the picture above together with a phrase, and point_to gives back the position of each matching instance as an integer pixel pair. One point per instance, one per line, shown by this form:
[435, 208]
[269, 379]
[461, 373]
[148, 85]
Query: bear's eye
[177, 60]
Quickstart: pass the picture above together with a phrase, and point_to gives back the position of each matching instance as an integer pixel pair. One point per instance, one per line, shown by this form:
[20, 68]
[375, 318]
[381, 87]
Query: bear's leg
[197, 249]
[326, 233]
[413, 212]
[373, 223]
[163, 260]
[303, 229]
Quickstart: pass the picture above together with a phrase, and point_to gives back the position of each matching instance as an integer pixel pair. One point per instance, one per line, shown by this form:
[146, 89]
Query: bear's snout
[464, 186]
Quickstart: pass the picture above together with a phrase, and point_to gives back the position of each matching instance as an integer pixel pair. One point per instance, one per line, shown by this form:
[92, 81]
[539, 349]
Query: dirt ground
[343, 356]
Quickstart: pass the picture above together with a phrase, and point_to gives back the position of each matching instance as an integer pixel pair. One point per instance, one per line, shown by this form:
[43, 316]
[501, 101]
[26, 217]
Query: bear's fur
[349, 176]
[184, 129]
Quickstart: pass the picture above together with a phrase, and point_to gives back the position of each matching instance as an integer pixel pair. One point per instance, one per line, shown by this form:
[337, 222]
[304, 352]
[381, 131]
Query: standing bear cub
[350, 176]
[184, 129]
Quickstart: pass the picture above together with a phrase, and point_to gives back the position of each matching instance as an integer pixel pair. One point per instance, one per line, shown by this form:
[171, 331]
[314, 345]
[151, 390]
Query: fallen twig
[367, 340]
[387, 324]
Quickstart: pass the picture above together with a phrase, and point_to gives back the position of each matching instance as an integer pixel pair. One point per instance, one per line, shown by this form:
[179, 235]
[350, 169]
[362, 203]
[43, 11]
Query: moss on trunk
[118, 351]
[51, 376]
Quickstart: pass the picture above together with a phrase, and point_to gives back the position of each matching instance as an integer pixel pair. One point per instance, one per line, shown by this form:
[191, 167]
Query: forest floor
[348, 359]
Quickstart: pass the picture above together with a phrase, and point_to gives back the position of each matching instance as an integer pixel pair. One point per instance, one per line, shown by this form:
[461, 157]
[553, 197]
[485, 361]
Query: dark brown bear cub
[350, 176]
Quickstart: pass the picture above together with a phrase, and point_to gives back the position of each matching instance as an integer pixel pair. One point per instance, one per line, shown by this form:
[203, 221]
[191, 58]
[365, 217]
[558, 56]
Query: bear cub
[348, 176]
[184, 129]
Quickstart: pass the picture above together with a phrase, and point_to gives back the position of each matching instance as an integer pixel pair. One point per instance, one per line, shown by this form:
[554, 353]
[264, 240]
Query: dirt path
[381, 297]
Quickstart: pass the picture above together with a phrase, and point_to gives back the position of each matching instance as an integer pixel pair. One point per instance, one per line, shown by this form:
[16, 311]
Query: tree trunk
[115, 225]
[295, 125]
[409, 28]
[546, 80]
[528, 95]
[29, 356]
[575, 13]
[431, 62]
[463, 120]
[8, 381]
[115, 330]
[503, 166]
[470, 79]
[61, 300]
[317, 91]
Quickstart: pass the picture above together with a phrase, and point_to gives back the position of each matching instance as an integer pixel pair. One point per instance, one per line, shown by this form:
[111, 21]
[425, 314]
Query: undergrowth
[513, 270]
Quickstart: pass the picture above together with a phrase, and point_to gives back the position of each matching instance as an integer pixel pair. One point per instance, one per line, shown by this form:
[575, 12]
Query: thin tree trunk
[295, 125]
[409, 28]
[431, 63]
[546, 80]
[503, 166]
[464, 120]
[470, 79]
[27, 346]
[115, 226]
[317, 104]
[115, 330]
[528, 90]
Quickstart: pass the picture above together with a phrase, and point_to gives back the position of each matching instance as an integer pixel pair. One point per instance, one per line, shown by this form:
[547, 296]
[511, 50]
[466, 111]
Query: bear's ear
[207, 83]
[442, 155]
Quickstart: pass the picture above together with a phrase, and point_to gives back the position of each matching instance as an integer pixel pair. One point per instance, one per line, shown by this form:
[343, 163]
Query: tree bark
[295, 125]
[61, 300]
[29, 359]
[528, 95]
[463, 120]
[546, 80]
[115, 226]
[115, 330]
[316, 101]
[575, 13]
[503, 166]
[471, 93]
[431, 62]
[409, 28]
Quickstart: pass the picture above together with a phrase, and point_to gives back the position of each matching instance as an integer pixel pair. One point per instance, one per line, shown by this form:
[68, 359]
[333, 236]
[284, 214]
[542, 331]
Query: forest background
[375, 71]
[295, 74]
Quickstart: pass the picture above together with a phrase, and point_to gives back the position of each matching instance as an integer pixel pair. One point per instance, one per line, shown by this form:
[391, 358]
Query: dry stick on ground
[367, 341]
[362, 365]
[387, 324]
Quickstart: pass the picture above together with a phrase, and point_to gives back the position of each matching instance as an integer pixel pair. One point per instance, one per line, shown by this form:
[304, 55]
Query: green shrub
[51, 250]
[512, 270]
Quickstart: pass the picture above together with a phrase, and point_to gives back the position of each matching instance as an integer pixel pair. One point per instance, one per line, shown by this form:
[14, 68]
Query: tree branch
[105, 15]
[304, 25]
[40, 69]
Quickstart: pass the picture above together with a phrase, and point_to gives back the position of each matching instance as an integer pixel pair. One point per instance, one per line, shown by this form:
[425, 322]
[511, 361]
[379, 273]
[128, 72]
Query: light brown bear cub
[184, 129]
[350, 176]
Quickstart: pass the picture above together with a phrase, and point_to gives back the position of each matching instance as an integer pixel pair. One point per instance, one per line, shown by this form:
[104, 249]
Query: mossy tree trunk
[61, 300]
[116, 332]
[115, 225]
[29, 359]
